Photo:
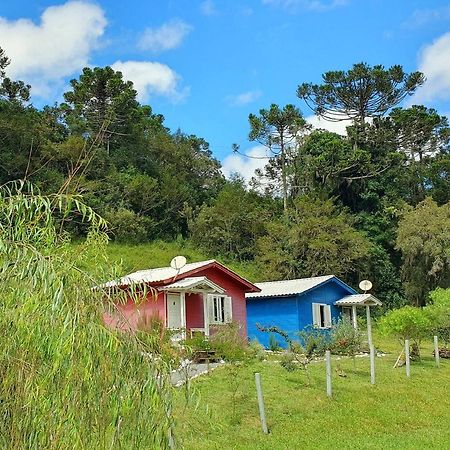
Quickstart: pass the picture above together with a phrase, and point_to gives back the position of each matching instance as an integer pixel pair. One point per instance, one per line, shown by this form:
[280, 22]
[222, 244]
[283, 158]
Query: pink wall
[233, 289]
[194, 311]
[129, 314]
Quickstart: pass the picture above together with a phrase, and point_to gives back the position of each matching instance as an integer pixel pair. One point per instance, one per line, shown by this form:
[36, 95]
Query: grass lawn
[159, 253]
[395, 413]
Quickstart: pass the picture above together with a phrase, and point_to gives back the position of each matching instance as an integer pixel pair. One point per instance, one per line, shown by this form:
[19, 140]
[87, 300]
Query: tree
[359, 93]
[278, 130]
[101, 104]
[232, 224]
[424, 240]
[438, 312]
[13, 91]
[315, 238]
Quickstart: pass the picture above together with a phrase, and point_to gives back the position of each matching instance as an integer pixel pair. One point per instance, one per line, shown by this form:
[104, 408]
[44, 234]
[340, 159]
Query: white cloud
[166, 37]
[243, 99]
[151, 78]
[306, 5]
[434, 63]
[423, 17]
[208, 8]
[334, 127]
[245, 165]
[59, 45]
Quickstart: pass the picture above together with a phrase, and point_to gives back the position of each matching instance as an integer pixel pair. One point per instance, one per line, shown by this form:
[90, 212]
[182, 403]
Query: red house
[196, 297]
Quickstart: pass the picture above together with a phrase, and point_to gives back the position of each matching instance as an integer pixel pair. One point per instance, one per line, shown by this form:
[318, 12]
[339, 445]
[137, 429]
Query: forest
[372, 204]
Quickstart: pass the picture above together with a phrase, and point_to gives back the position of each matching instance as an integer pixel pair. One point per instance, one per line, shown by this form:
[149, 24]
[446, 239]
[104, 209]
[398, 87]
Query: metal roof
[196, 284]
[165, 275]
[154, 275]
[287, 287]
[359, 300]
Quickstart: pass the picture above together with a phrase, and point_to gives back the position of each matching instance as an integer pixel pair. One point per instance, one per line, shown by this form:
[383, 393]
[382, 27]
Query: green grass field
[159, 254]
[396, 413]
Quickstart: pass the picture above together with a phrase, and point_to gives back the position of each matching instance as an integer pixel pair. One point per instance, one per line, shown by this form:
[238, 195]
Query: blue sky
[205, 65]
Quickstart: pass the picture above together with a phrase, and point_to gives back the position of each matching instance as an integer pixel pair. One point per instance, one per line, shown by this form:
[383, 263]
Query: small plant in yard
[229, 344]
[299, 353]
[345, 339]
[408, 322]
[257, 350]
[274, 345]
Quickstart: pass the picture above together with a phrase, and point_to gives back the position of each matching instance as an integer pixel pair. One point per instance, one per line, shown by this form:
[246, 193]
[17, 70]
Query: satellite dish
[178, 262]
[365, 285]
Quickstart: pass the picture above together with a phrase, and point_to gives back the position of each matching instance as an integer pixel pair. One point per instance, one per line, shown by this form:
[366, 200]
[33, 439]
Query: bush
[128, 227]
[438, 313]
[408, 322]
[345, 339]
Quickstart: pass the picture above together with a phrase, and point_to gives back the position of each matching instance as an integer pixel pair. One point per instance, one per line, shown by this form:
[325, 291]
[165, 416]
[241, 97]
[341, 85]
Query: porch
[193, 304]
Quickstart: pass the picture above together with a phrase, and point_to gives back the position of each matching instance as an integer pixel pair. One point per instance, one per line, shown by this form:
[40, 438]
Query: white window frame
[219, 309]
[318, 320]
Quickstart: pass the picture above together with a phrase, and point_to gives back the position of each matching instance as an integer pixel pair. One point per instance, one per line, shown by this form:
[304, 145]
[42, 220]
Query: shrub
[127, 226]
[438, 313]
[345, 339]
[408, 322]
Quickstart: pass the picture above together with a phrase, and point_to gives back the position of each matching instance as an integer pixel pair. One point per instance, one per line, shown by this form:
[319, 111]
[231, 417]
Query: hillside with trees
[374, 203]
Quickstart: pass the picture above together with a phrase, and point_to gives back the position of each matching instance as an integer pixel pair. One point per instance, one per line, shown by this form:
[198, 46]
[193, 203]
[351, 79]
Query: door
[174, 311]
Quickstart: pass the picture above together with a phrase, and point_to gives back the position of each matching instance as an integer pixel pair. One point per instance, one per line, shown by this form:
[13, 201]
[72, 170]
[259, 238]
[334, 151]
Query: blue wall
[293, 313]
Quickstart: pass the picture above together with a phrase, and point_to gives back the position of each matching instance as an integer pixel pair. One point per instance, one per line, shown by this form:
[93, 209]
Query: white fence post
[372, 364]
[262, 412]
[436, 351]
[328, 364]
[407, 359]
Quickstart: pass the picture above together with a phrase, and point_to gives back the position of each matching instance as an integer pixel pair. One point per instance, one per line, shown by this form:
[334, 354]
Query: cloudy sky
[207, 64]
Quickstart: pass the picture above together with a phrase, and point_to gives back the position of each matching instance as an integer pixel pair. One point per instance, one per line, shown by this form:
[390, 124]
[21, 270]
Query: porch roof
[193, 284]
[359, 300]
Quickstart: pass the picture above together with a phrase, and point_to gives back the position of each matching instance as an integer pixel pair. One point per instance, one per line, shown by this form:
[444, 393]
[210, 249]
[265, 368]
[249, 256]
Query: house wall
[294, 313]
[127, 316]
[234, 290]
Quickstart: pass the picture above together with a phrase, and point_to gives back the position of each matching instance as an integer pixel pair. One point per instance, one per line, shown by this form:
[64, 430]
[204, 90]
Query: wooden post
[328, 370]
[407, 360]
[436, 351]
[262, 412]
[372, 364]
[355, 322]
[369, 326]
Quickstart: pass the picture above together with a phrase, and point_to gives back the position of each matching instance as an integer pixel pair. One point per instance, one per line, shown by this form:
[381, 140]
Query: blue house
[293, 305]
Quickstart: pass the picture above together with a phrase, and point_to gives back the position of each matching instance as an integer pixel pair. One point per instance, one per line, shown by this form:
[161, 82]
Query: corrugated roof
[193, 283]
[155, 275]
[287, 287]
[358, 299]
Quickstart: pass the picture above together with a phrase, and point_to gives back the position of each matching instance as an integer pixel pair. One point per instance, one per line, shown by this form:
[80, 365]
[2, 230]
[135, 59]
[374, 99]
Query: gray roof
[359, 300]
[287, 287]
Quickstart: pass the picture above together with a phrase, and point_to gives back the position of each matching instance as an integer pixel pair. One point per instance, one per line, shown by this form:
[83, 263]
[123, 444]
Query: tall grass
[66, 381]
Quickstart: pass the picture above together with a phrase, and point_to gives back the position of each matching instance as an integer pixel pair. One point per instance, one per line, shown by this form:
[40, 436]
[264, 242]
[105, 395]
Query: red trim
[217, 265]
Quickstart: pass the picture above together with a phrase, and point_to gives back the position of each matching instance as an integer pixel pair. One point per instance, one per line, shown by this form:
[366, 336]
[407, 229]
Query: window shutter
[228, 309]
[210, 308]
[327, 316]
[316, 314]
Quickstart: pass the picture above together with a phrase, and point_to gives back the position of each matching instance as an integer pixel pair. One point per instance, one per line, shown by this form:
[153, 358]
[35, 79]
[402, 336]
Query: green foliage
[67, 380]
[127, 226]
[345, 339]
[408, 322]
[274, 345]
[424, 240]
[317, 238]
[438, 313]
[363, 91]
[232, 224]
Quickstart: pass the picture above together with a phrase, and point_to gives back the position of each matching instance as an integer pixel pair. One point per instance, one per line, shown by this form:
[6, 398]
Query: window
[219, 309]
[321, 315]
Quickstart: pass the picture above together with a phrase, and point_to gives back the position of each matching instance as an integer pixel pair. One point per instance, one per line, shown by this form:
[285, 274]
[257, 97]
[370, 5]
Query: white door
[174, 311]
